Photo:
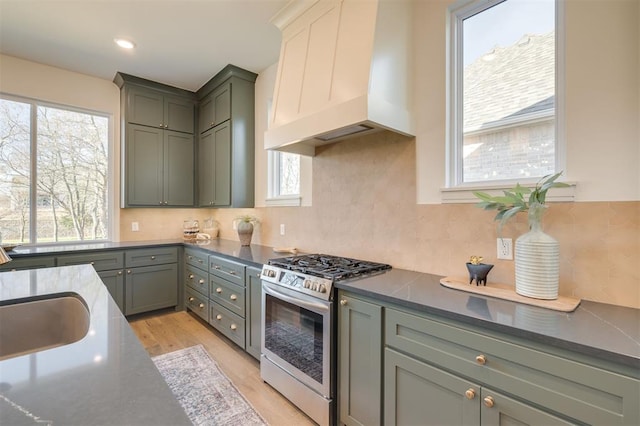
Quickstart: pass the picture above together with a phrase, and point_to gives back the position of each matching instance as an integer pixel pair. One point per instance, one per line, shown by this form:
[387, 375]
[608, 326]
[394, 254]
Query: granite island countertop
[105, 378]
[604, 331]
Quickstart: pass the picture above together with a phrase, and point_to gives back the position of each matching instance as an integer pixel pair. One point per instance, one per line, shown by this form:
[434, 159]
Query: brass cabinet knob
[153, 258]
[119, 272]
[191, 276]
[232, 272]
[218, 290]
[190, 257]
[218, 317]
[470, 393]
[233, 327]
[343, 302]
[201, 281]
[191, 299]
[216, 267]
[128, 271]
[488, 401]
[481, 359]
[200, 260]
[92, 263]
[233, 297]
[201, 305]
[161, 125]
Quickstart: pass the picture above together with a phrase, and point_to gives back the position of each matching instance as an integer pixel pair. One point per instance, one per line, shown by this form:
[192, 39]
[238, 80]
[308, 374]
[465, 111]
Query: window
[284, 178]
[53, 173]
[502, 91]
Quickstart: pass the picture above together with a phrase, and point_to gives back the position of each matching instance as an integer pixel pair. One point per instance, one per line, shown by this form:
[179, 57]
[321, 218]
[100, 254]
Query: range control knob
[306, 283]
[322, 288]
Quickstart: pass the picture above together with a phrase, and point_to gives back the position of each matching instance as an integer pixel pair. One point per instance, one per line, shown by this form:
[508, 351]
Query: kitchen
[351, 209]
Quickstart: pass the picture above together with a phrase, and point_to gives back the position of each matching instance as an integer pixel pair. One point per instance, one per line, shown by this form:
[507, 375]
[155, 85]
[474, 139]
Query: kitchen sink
[29, 325]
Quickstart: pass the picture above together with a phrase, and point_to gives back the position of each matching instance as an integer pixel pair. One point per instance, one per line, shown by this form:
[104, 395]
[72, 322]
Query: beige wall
[364, 190]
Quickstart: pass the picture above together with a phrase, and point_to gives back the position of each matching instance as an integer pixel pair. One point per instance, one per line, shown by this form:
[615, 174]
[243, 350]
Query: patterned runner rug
[204, 391]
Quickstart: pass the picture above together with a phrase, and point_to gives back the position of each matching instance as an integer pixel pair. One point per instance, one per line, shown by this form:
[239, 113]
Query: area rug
[204, 391]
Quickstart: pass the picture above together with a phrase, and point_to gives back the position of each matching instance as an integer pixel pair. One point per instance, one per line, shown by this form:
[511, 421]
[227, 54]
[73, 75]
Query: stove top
[334, 268]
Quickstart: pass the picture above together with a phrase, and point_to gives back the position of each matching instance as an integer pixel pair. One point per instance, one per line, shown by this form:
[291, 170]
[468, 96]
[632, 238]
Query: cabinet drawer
[104, 261]
[229, 295]
[577, 390]
[227, 323]
[197, 258]
[197, 303]
[227, 269]
[197, 280]
[29, 263]
[151, 256]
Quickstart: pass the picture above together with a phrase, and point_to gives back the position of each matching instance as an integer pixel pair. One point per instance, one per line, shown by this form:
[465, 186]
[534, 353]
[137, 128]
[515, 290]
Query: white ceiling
[182, 43]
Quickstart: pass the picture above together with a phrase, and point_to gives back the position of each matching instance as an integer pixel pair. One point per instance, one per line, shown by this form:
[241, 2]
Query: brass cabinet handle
[233, 327]
[191, 299]
[233, 297]
[343, 302]
[489, 402]
[218, 317]
[191, 276]
[201, 281]
[218, 290]
[481, 359]
[232, 272]
[216, 267]
[201, 305]
[470, 393]
[200, 260]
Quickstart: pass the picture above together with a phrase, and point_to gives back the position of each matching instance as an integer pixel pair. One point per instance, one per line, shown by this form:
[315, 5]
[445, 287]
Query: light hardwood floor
[169, 331]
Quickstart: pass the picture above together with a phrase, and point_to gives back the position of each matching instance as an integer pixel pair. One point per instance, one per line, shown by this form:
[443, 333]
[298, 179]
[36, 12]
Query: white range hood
[344, 70]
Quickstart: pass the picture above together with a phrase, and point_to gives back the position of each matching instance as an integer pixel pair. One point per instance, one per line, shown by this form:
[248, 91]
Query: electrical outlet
[282, 229]
[135, 227]
[505, 248]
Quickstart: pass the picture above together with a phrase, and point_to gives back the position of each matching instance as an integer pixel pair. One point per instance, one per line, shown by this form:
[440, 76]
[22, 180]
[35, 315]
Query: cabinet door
[144, 162]
[178, 114]
[114, 281]
[145, 107]
[101, 261]
[498, 409]
[178, 169]
[34, 262]
[253, 312]
[151, 287]
[214, 164]
[215, 108]
[360, 361]
[418, 393]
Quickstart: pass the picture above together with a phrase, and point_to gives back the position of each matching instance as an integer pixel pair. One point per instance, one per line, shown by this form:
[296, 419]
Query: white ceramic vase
[537, 259]
[245, 232]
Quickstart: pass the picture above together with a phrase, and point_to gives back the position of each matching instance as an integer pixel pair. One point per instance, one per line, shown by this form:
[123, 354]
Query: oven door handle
[294, 300]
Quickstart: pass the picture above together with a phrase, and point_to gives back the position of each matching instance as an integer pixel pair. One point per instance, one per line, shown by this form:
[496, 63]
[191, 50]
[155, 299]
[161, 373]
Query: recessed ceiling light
[125, 44]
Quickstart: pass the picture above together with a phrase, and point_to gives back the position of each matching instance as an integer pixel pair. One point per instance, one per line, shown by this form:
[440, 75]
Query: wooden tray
[507, 292]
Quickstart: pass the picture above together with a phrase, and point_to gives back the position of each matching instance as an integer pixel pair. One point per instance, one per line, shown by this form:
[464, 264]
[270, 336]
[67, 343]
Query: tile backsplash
[364, 193]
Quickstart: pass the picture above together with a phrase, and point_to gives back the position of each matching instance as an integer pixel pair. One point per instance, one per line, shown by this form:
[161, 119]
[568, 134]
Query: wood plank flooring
[168, 331]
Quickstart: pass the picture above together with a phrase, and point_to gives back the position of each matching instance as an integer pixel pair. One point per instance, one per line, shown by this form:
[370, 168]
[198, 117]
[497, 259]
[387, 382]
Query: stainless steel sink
[28, 325]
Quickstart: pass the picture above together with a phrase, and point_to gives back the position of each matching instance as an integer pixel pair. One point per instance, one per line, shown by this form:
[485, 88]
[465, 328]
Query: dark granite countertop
[605, 331]
[105, 378]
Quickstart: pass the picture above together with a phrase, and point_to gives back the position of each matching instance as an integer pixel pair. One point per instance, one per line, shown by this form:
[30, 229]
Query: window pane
[72, 175]
[289, 174]
[15, 132]
[509, 91]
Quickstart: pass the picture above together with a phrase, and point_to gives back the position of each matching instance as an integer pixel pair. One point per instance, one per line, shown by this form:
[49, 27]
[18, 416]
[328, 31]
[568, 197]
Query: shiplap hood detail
[344, 70]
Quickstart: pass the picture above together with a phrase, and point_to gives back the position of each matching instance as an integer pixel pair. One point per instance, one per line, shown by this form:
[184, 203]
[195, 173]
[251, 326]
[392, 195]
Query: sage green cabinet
[214, 164]
[215, 108]
[155, 109]
[253, 311]
[159, 167]
[151, 279]
[34, 262]
[226, 155]
[359, 361]
[114, 281]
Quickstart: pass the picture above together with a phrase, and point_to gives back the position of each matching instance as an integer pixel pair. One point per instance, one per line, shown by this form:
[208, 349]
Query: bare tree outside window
[289, 174]
[70, 179]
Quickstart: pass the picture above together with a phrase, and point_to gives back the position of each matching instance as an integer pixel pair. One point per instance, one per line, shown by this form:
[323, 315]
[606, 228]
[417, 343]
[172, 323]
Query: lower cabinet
[253, 319]
[437, 371]
[151, 287]
[34, 262]
[359, 361]
[114, 281]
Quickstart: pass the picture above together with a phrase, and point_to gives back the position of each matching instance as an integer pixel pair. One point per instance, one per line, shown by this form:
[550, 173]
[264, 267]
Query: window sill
[464, 194]
[284, 201]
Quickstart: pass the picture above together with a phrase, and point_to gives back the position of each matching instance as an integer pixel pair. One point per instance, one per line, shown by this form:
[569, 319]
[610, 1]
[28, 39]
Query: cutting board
[507, 292]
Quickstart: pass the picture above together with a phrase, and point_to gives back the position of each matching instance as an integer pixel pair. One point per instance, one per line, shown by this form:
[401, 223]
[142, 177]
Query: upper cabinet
[226, 143]
[158, 146]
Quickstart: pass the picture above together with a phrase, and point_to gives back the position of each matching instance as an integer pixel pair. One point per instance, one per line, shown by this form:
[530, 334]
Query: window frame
[455, 189]
[274, 198]
[34, 103]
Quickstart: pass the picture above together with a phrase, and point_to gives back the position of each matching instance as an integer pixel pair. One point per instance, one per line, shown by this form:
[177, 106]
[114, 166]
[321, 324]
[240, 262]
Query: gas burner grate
[334, 268]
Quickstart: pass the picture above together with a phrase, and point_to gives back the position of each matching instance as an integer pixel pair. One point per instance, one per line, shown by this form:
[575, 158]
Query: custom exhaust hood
[344, 70]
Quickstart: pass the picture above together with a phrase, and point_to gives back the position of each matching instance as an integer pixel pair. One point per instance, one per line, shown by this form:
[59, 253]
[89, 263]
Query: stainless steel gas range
[299, 328]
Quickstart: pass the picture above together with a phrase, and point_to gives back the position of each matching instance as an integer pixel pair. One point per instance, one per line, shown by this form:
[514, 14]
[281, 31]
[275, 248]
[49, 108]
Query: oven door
[296, 335]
